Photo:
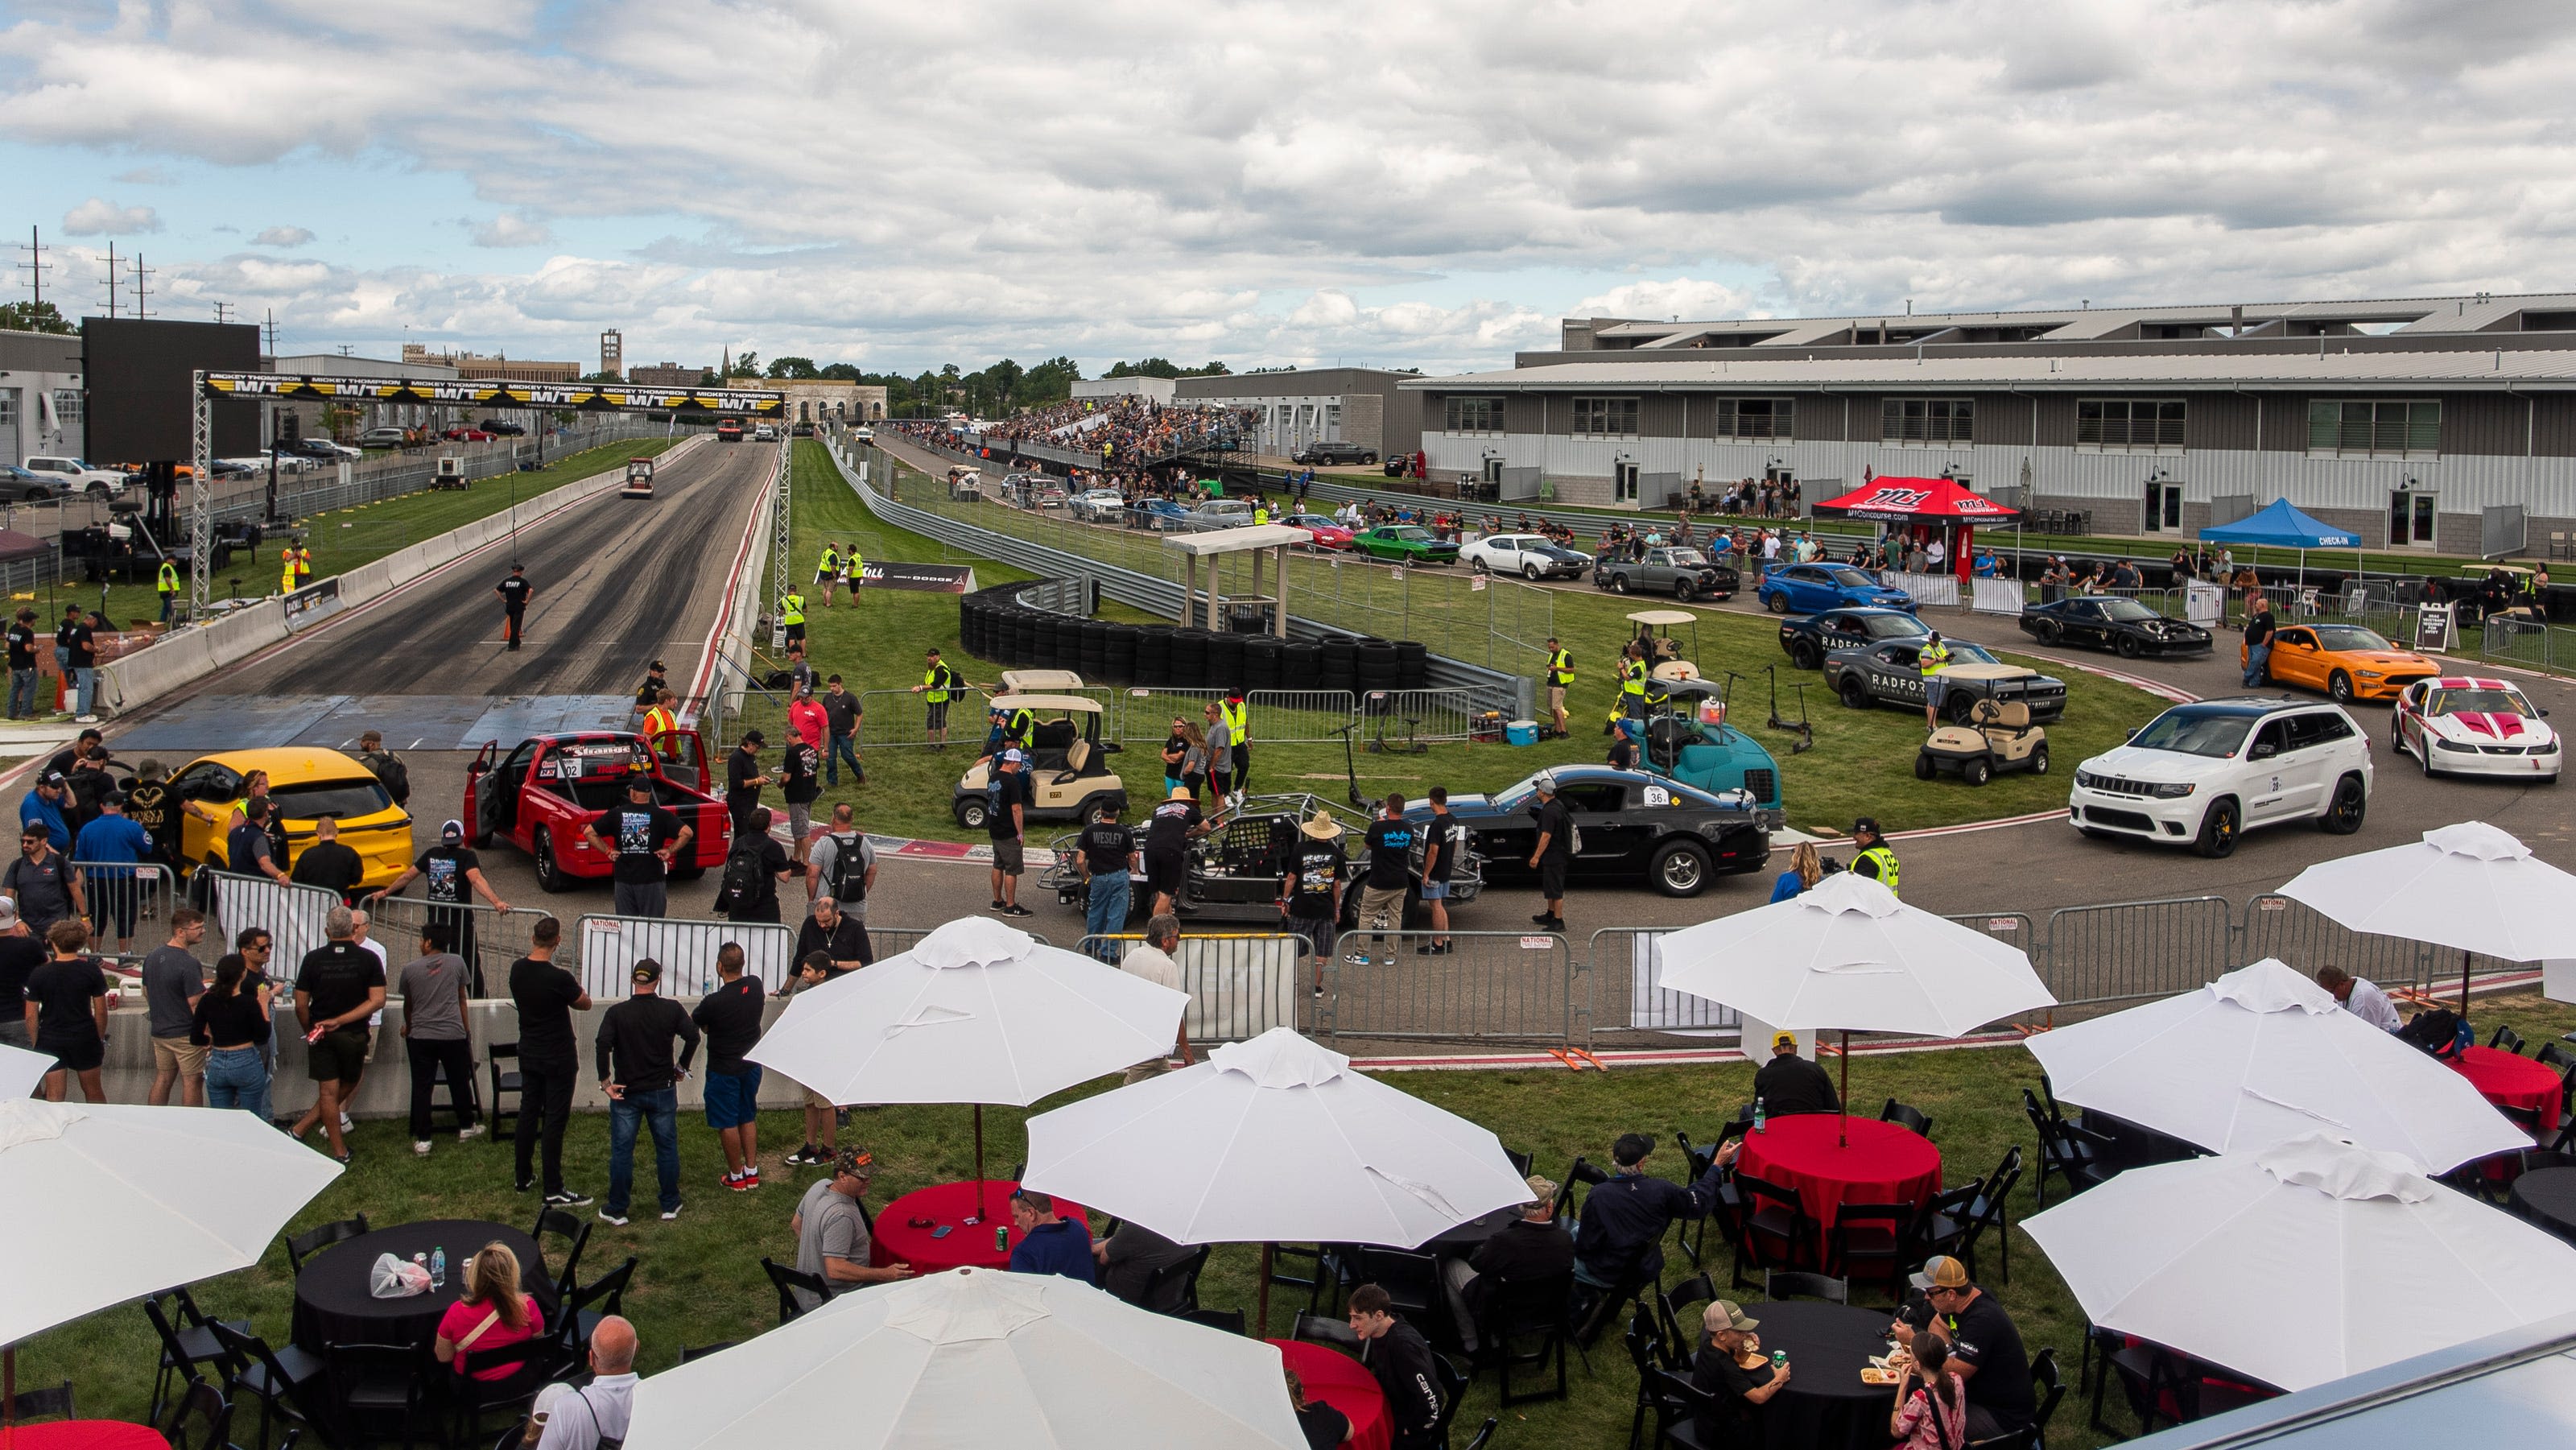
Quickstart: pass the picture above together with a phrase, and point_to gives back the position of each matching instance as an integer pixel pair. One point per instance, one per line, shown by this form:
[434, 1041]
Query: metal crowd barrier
[1626, 961]
[488, 940]
[1240, 985]
[2130, 951]
[1491, 985]
[686, 950]
[128, 900]
[292, 915]
[1396, 717]
[890, 718]
[888, 941]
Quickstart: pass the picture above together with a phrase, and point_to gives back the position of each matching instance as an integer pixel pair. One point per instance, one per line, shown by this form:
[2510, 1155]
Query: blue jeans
[1105, 911]
[85, 688]
[236, 1077]
[837, 748]
[22, 694]
[2257, 657]
[660, 1110]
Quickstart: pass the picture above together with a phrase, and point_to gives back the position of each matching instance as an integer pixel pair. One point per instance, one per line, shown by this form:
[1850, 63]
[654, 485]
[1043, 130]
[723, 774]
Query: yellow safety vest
[1885, 860]
[303, 562]
[1560, 667]
[857, 566]
[831, 564]
[1932, 659]
[286, 578]
[1632, 676]
[1261, 515]
[1232, 712]
[937, 677]
[791, 608]
[659, 725]
[1019, 723]
[169, 577]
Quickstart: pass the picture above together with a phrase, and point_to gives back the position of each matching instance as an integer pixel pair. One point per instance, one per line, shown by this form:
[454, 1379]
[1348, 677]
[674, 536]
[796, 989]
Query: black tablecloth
[1825, 1406]
[332, 1305]
[2132, 1146]
[1466, 1238]
[2547, 1197]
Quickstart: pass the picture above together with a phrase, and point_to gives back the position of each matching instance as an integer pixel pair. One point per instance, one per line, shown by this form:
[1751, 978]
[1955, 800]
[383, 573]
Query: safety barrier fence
[292, 915]
[1240, 985]
[1143, 714]
[1488, 985]
[684, 949]
[488, 939]
[129, 905]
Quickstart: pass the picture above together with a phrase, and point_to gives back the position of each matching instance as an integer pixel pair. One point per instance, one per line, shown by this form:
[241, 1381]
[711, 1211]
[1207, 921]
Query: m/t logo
[1898, 498]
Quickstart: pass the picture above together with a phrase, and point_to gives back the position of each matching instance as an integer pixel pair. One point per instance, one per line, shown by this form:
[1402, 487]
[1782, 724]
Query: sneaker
[997, 903]
[1319, 994]
[1356, 959]
[840, 1119]
[567, 1198]
[84, 719]
[525, 1186]
[1441, 948]
[751, 1178]
[672, 1212]
[345, 1125]
[1541, 917]
[613, 1220]
[468, 1134]
[1015, 909]
[420, 1147]
[803, 1157]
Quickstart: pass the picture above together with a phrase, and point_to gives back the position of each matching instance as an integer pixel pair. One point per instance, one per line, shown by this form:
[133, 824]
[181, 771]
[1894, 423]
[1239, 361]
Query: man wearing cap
[832, 1239]
[636, 1070]
[1310, 895]
[1049, 1244]
[644, 836]
[1530, 1249]
[1106, 855]
[43, 807]
[515, 593]
[1168, 833]
[22, 666]
[1619, 1242]
[938, 682]
[1872, 857]
[1929, 661]
[1790, 1084]
[1552, 853]
[1985, 1349]
[1736, 1394]
[841, 715]
[744, 778]
[42, 882]
[1006, 823]
[114, 893]
[656, 680]
[448, 871]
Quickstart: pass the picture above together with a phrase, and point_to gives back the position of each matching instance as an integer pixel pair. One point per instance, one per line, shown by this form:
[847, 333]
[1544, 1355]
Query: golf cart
[1999, 737]
[639, 479]
[1665, 657]
[1689, 740]
[1039, 682]
[1070, 778]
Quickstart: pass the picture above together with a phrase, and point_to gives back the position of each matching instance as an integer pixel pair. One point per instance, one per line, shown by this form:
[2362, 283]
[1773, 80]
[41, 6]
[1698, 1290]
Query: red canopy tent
[1941, 503]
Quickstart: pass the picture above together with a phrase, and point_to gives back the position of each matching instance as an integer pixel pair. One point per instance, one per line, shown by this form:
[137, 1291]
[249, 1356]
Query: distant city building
[667, 375]
[821, 400]
[497, 368]
[612, 354]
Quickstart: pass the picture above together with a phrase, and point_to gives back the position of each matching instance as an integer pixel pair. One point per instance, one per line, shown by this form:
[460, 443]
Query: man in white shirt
[583, 1418]
[1153, 962]
[2362, 999]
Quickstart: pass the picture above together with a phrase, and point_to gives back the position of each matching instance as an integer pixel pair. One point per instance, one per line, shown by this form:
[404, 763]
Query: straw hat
[1321, 827]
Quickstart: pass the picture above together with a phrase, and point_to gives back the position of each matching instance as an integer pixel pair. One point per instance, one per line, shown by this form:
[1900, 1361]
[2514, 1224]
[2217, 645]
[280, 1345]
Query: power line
[111, 280]
[140, 272]
[35, 266]
[220, 309]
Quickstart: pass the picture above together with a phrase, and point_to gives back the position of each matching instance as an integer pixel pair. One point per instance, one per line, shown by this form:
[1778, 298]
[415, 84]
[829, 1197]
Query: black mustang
[1632, 824]
[1809, 638]
[2115, 623]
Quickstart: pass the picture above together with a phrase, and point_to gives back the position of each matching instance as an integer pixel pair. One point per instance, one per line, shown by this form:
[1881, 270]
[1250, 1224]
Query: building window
[67, 406]
[2129, 425]
[1475, 415]
[1756, 420]
[1333, 420]
[1605, 417]
[8, 407]
[2374, 429]
[1937, 421]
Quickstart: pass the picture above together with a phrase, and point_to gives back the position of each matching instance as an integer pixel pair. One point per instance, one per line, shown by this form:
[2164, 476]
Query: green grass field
[699, 1280]
[1862, 763]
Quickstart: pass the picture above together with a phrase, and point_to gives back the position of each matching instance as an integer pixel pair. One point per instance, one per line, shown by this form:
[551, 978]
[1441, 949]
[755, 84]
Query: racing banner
[499, 393]
[925, 578]
[313, 603]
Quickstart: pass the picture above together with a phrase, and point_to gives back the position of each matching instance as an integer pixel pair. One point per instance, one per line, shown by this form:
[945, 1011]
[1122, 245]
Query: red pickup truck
[540, 795]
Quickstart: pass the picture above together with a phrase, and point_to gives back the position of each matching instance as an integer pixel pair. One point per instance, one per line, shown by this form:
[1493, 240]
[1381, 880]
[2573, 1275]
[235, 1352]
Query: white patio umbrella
[1273, 1140]
[164, 1195]
[1847, 956]
[2469, 886]
[2262, 1055]
[21, 1071]
[2306, 1262]
[975, 1357]
[975, 1013]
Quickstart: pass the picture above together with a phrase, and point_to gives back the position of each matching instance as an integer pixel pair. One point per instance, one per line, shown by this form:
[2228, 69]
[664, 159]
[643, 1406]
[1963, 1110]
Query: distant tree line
[996, 391]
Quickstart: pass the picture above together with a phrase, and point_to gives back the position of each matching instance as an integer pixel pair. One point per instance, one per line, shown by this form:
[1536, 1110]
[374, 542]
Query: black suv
[503, 428]
[1329, 454]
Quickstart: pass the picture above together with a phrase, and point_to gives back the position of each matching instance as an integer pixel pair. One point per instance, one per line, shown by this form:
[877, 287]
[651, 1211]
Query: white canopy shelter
[2471, 887]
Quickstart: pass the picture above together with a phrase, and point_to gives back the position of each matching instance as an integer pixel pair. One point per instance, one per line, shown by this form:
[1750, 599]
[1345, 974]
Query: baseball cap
[1865, 823]
[1784, 1039]
[1941, 1272]
[755, 737]
[856, 1162]
[638, 780]
[647, 970]
[657, 668]
[1012, 757]
[53, 777]
[1631, 1149]
[1736, 1318]
[452, 831]
[8, 912]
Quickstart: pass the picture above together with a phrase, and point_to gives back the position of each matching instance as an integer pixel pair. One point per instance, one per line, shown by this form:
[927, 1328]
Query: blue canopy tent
[2278, 525]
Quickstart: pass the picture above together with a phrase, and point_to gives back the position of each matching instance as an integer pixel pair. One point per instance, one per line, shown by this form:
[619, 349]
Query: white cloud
[146, 176]
[282, 237]
[1684, 297]
[96, 218]
[507, 230]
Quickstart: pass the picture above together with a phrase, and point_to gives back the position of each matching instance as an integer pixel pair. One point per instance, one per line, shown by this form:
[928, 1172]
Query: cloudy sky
[1425, 184]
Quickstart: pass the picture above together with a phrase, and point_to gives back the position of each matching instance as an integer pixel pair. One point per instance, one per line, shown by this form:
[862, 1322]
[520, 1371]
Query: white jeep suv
[2204, 773]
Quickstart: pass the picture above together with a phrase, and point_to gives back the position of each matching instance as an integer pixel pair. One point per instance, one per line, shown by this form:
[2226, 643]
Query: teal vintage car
[1406, 544]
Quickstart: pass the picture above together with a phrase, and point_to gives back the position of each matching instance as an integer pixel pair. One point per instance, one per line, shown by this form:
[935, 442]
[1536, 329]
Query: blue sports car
[1811, 588]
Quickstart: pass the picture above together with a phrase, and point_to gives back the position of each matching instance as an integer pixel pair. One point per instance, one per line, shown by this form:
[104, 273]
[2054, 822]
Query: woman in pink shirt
[492, 1315]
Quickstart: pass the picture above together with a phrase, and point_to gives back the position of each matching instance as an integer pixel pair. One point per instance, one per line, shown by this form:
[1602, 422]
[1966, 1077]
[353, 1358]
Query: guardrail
[488, 939]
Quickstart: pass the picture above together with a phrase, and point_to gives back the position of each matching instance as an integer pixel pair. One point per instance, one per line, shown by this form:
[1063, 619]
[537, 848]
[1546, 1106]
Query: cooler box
[1521, 732]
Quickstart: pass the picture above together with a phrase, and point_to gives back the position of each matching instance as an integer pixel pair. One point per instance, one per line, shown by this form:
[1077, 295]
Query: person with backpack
[752, 871]
[385, 766]
[842, 866]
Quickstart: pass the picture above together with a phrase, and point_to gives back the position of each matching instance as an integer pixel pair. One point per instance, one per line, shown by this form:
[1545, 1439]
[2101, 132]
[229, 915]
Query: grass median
[1862, 763]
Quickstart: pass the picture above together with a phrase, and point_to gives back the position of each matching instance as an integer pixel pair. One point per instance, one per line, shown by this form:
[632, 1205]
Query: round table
[1345, 1384]
[1882, 1163]
[2547, 1197]
[333, 1305]
[85, 1435]
[2510, 1080]
[1825, 1404]
[1463, 1240]
[964, 1246]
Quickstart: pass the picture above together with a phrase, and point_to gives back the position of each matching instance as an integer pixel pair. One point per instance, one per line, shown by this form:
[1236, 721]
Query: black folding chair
[1644, 1352]
[503, 1081]
[1319, 1329]
[314, 1240]
[1875, 1243]
[1177, 1284]
[288, 1382]
[1906, 1116]
[787, 1281]
[187, 1341]
[1412, 1282]
[1675, 1306]
[1776, 1225]
[1228, 1320]
[43, 1404]
[1453, 1391]
[201, 1420]
[1514, 1312]
[1780, 1284]
[703, 1350]
[578, 1315]
[470, 1397]
[2072, 1153]
[378, 1391]
[2506, 1038]
[567, 1226]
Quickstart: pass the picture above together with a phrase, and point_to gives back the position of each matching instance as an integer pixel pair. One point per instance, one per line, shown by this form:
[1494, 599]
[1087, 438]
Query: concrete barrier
[189, 655]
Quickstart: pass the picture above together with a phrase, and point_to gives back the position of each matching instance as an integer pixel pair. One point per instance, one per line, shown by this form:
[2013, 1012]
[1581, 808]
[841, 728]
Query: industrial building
[668, 375]
[1318, 405]
[41, 398]
[497, 367]
[2442, 423]
[1157, 391]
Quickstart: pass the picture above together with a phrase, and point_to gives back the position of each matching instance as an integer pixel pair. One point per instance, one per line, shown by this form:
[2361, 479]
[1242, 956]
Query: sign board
[924, 578]
[313, 603]
[2433, 627]
[1475, 583]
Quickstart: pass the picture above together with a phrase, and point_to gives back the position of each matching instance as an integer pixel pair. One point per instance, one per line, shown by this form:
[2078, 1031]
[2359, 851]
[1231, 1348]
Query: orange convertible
[2346, 661]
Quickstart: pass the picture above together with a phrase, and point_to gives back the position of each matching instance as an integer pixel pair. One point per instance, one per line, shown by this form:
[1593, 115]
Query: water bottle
[1761, 1120]
[438, 1267]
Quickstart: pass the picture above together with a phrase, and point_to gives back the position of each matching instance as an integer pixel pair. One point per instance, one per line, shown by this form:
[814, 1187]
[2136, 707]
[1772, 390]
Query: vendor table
[899, 1241]
[1345, 1384]
[333, 1305]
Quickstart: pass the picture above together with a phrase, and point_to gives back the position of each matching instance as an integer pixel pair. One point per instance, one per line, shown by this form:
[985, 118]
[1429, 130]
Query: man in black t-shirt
[1552, 851]
[1107, 849]
[1390, 861]
[752, 870]
[800, 782]
[1444, 840]
[1985, 1349]
[743, 779]
[546, 997]
[339, 986]
[2258, 640]
[80, 643]
[22, 666]
[1007, 802]
[1168, 833]
[730, 1016]
[840, 937]
[1310, 895]
[451, 876]
[329, 864]
[644, 837]
[515, 593]
[20, 954]
[841, 716]
[655, 682]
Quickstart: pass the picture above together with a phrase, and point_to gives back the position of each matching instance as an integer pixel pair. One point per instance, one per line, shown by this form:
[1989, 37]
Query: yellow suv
[306, 783]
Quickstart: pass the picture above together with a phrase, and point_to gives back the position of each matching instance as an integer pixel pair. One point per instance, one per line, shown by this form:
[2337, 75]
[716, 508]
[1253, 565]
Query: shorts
[1194, 780]
[733, 1098]
[178, 1053]
[86, 1056]
[814, 1099]
[937, 719]
[795, 632]
[1163, 874]
[825, 576]
[1551, 878]
[340, 1056]
[1010, 857]
[1555, 698]
[1935, 690]
[1435, 890]
[1320, 932]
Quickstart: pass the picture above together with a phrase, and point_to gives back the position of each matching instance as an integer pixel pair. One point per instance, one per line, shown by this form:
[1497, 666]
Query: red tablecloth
[1345, 1384]
[99, 1435]
[965, 1245]
[1883, 1163]
[2510, 1080]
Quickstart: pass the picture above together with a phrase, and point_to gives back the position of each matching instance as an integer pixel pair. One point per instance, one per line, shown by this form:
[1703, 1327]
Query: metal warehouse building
[2425, 423]
[1317, 405]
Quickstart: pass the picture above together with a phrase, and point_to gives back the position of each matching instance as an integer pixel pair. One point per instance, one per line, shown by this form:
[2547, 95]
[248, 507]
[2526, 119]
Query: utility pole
[111, 280]
[34, 266]
[140, 291]
[220, 309]
[272, 332]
